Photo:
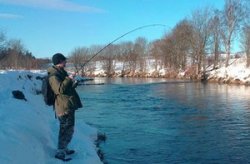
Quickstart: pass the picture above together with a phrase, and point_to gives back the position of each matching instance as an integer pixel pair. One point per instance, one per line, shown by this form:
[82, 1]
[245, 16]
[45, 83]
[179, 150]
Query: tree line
[194, 43]
[13, 55]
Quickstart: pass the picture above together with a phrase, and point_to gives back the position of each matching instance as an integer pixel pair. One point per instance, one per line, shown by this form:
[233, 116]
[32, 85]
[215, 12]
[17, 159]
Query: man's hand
[72, 75]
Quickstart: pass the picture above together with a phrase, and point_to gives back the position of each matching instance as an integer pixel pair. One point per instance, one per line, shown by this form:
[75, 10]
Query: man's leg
[66, 131]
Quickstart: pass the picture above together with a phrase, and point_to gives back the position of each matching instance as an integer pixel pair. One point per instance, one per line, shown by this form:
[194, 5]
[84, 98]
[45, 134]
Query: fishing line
[138, 28]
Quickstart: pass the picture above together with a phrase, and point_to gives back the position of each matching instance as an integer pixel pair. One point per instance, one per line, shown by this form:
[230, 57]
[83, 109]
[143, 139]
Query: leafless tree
[15, 56]
[156, 53]
[2, 45]
[167, 48]
[245, 42]
[215, 37]
[140, 48]
[132, 60]
[176, 45]
[182, 36]
[126, 49]
[201, 21]
[2, 41]
[15, 52]
[233, 16]
[78, 58]
[108, 59]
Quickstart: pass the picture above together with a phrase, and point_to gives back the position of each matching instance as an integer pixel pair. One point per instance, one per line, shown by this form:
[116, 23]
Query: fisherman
[66, 102]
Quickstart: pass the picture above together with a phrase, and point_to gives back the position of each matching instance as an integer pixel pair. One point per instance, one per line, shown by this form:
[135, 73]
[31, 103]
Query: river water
[155, 121]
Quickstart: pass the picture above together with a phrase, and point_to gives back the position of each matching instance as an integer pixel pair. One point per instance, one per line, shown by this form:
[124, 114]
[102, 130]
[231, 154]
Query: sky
[46, 27]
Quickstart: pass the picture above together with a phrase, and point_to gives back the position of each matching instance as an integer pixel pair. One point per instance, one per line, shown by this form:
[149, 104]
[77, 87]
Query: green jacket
[66, 96]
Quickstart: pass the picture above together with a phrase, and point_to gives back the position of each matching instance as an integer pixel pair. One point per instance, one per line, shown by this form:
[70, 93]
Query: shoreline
[28, 122]
[218, 80]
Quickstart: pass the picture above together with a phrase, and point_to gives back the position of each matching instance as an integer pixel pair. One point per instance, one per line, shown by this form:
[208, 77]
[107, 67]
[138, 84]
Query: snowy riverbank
[235, 73]
[28, 129]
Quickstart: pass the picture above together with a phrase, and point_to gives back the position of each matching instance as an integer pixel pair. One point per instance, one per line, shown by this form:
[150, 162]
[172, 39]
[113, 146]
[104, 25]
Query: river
[158, 121]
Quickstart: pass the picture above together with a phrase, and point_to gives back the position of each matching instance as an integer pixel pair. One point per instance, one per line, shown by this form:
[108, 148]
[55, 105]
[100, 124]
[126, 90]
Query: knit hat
[58, 58]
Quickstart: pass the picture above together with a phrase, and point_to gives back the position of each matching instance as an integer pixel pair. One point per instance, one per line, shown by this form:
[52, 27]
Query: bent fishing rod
[138, 28]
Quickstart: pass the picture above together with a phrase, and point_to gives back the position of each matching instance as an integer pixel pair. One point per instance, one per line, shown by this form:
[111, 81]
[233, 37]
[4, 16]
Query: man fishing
[66, 102]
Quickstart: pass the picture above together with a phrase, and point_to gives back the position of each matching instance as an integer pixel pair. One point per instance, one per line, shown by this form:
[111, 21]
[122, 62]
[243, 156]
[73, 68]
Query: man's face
[62, 64]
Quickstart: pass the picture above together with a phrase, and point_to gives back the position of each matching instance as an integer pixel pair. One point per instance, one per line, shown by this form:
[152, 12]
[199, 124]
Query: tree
[201, 21]
[246, 43]
[28, 61]
[14, 55]
[15, 52]
[215, 36]
[140, 49]
[156, 53]
[2, 41]
[182, 36]
[108, 60]
[78, 57]
[2, 46]
[176, 45]
[126, 49]
[233, 16]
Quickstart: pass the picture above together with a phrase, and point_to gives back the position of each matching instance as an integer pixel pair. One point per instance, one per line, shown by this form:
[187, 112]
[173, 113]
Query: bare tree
[2, 41]
[132, 60]
[126, 49]
[175, 47]
[215, 36]
[78, 57]
[28, 61]
[15, 52]
[156, 53]
[13, 55]
[245, 42]
[140, 49]
[128, 57]
[2, 46]
[201, 22]
[108, 60]
[182, 36]
[168, 53]
[233, 16]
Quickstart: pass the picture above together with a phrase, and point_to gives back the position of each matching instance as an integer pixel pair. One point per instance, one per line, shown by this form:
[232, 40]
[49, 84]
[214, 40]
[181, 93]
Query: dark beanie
[58, 58]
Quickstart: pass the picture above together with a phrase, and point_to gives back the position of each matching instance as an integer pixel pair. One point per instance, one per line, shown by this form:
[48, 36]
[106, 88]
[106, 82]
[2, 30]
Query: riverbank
[29, 129]
[235, 73]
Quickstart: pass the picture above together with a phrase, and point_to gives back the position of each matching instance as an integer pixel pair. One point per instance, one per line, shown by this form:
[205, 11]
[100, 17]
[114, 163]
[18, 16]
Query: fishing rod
[138, 28]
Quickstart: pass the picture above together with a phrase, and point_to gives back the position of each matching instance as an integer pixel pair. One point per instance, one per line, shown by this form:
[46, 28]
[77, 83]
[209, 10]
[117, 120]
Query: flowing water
[154, 121]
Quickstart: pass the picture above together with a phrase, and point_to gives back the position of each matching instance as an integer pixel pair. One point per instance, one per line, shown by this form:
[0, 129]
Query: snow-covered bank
[28, 129]
[235, 73]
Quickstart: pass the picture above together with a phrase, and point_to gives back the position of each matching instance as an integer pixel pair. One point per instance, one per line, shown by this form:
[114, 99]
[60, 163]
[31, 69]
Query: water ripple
[170, 122]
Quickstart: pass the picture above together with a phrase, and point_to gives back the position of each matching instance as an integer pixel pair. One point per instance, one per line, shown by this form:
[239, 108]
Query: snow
[236, 70]
[28, 129]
